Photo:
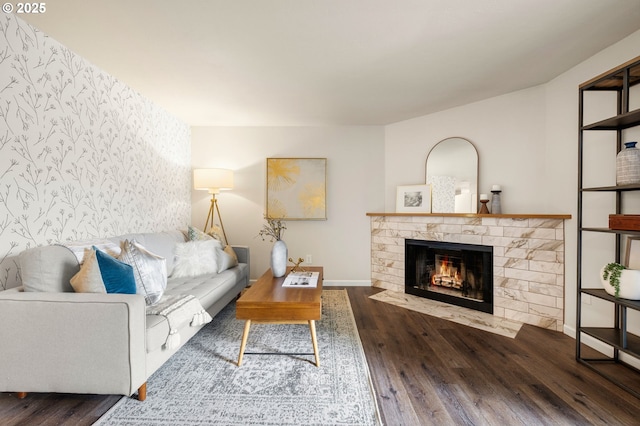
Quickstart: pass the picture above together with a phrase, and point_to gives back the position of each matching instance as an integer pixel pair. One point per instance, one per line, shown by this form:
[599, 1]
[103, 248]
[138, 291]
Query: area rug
[460, 315]
[201, 384]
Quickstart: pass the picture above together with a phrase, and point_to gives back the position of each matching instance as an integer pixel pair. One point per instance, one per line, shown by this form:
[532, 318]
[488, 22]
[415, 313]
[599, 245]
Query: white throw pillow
[149, 270]
[226, 258]
[196, 258]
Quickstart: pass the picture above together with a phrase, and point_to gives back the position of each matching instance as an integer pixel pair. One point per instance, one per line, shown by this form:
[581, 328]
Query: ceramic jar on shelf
[628, 165]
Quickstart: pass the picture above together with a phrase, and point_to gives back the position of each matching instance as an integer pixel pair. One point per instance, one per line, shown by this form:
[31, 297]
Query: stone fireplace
[527, 257]
[459, 274]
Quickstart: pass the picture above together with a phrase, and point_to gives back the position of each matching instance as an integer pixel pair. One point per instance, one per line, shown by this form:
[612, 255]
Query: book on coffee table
[301, 280]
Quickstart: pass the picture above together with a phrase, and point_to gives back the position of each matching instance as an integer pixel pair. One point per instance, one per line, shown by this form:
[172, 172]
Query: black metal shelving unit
[619, 80]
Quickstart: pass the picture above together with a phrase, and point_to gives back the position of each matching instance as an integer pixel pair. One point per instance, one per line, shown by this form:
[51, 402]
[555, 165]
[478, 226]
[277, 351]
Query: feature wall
[81, 154]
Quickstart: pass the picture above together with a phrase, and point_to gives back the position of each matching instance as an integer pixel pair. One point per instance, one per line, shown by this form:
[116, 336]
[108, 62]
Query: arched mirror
[452, 171]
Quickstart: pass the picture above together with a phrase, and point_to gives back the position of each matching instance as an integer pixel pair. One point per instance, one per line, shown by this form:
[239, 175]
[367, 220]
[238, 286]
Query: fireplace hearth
[459, 274]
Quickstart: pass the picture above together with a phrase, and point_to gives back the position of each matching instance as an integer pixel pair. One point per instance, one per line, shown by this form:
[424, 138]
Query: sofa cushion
[208, 288]
[48, 269]
[79, 248]
[161, 243]
[101, 273]
[149, 270]
[195, 258]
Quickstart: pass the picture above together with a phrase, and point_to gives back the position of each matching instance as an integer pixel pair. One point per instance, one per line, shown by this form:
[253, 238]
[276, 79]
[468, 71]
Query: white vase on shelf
[279, 255]
[629, 284]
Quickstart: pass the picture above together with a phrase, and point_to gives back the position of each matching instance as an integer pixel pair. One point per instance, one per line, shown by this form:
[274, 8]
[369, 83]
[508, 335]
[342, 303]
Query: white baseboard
[569, 331]
[590, 341]
[346, 283]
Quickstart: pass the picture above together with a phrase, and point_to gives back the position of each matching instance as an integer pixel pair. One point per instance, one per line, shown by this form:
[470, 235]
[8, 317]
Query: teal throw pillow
[117, 276]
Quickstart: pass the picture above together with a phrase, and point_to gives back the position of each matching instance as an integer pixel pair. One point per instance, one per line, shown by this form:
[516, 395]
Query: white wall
[527, 142]
[355, 178]
[562, 137]
[508, 132]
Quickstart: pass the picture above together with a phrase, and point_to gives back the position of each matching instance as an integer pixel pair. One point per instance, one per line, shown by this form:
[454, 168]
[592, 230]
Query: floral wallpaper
[81, 154]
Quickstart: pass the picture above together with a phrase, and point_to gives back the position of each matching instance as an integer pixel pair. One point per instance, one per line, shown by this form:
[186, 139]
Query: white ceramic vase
[279, 255]
[629, 284]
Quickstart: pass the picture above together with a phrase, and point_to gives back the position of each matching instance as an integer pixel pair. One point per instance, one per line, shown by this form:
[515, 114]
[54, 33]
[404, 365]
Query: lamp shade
[212, 180]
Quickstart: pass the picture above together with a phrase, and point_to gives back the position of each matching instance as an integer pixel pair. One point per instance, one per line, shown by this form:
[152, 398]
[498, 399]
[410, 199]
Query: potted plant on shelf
[274, 230]
[621, 282]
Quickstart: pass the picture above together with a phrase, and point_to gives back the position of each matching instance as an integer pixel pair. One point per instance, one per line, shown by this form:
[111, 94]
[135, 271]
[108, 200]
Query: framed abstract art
[297, 188]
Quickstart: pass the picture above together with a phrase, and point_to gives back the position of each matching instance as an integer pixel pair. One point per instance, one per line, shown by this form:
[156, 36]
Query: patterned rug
[201, 384]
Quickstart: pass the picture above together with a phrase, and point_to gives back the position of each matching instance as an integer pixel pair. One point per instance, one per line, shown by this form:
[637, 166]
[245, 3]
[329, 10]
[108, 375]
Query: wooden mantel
[500, 216]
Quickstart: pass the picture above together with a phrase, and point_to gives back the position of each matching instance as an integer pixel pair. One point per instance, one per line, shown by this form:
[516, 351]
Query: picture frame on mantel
[413, 199]
[297, 188]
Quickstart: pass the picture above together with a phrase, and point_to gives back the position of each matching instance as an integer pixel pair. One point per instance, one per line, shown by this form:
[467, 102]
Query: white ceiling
[332, 62]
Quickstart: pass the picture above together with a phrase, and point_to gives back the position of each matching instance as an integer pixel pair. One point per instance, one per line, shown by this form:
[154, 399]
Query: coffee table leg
[245, 334]
[314, 340]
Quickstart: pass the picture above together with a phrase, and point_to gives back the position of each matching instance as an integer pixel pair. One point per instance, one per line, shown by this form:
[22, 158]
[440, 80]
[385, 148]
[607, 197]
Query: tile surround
[528, 258]
[460, 315]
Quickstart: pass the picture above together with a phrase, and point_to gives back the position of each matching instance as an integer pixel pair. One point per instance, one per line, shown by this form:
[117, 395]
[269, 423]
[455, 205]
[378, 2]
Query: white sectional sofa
[53, 339]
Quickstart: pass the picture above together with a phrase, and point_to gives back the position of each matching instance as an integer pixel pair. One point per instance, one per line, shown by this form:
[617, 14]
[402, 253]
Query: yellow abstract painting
[296, 188]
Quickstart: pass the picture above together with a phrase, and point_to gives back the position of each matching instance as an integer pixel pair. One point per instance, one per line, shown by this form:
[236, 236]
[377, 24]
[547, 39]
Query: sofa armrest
[72, 342]
[243, 253]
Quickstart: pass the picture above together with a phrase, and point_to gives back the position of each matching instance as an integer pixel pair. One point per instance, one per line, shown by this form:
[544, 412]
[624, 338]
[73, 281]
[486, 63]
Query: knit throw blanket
[179, 309]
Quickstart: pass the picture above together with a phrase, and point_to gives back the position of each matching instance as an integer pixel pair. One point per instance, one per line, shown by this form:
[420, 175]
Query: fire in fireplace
[460, 274]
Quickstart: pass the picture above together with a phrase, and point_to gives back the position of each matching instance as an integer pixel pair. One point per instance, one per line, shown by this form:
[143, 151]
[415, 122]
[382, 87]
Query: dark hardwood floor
[428, 371]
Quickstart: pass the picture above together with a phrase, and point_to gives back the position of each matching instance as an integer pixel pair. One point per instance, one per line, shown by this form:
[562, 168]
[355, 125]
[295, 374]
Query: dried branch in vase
[273, 229]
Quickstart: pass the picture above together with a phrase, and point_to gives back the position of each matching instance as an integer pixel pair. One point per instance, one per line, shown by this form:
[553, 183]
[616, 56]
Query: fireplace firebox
[459, 274]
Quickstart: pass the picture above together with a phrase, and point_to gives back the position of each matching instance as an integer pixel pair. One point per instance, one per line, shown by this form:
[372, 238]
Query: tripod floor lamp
[213, 180]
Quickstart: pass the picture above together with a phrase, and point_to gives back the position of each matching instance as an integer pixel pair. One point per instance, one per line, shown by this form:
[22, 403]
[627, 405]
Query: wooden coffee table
[267, 301]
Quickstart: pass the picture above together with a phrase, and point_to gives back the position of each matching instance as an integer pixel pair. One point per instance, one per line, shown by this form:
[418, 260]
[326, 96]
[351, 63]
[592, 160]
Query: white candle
[496, 188]
[483, 197]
